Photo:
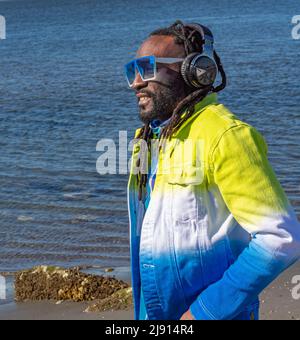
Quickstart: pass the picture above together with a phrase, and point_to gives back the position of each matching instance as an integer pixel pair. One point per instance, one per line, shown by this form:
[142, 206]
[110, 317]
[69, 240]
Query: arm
[249, 187]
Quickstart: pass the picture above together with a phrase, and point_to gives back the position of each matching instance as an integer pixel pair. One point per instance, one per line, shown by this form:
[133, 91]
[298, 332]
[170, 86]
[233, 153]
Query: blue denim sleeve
[241, 284]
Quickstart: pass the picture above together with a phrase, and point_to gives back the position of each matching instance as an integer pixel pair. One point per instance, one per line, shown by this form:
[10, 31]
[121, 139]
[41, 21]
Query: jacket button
[147, 266]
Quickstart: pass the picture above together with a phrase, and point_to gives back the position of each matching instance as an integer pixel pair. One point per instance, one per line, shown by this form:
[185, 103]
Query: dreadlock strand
[145, 135]
[183, 111]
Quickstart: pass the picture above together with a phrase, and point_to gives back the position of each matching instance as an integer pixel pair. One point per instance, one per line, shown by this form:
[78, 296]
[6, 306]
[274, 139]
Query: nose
[138, 81]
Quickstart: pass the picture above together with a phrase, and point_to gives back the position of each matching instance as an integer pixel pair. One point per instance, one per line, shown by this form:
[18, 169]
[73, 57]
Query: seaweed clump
[120, 300]
[54, 283]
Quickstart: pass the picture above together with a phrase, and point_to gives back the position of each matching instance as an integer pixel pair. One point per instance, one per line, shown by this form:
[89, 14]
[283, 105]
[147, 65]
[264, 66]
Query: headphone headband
[206, 35]
[199, 69]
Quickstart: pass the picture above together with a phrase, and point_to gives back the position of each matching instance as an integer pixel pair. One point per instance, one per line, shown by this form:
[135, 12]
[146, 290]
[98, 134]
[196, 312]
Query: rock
[54, 283]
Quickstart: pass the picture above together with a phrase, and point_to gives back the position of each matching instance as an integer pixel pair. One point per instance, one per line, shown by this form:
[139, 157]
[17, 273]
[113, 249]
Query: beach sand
[48, 310]
[276, 304]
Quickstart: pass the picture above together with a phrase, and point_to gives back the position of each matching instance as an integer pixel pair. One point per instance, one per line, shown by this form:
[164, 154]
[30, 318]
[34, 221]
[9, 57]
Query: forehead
[160, 46]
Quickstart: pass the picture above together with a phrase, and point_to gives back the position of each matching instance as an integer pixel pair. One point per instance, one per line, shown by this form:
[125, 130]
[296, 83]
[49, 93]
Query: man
[210, 226]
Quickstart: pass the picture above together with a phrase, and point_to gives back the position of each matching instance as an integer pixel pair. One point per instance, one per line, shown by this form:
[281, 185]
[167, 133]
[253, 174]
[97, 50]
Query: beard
[161, 103]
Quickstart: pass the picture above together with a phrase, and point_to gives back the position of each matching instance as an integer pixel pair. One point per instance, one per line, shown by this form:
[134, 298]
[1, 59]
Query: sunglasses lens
[146, 67]
[130, 72]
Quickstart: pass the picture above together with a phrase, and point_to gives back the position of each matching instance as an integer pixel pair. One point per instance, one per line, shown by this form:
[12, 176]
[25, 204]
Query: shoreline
[50, 310]
[62, 310]
[277, 302]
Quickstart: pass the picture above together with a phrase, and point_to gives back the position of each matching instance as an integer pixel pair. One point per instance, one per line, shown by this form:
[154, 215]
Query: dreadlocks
[192, 42]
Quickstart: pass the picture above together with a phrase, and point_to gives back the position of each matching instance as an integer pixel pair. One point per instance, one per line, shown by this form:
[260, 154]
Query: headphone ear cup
[186, 69]
[203, 71]
[199, 70]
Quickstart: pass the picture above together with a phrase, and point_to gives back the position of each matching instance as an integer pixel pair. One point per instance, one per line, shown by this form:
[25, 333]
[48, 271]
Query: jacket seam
[217, 141]
[171, 244]
[206, 310]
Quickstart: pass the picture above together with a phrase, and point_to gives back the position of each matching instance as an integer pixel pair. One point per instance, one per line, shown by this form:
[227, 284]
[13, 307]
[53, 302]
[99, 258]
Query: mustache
[147, 93]
[167, 85]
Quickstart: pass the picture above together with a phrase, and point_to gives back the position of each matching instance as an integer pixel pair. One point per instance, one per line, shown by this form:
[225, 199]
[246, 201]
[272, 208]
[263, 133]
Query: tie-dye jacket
[218, 228]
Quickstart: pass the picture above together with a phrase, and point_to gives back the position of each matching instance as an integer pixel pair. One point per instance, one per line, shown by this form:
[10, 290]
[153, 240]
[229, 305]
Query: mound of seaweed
[54, 283]
[122, 299]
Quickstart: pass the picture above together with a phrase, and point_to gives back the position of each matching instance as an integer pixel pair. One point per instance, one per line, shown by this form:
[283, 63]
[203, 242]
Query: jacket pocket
[186, 174]
[186, 187]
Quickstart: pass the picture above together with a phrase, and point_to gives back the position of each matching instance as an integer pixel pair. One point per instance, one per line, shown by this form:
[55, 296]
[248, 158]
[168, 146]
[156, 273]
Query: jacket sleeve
[252, 193]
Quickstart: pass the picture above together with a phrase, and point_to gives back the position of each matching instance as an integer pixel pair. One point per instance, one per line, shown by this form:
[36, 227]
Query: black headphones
[199, 69]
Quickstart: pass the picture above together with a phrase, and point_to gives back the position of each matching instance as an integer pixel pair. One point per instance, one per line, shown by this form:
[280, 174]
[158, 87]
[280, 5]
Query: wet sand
[48, 310]
[276, 304]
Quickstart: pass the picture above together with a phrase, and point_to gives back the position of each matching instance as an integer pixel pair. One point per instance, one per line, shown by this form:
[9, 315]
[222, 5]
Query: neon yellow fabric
[233, 157]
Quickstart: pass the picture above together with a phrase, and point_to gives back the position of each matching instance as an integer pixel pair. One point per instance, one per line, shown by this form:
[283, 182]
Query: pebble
[109, 270]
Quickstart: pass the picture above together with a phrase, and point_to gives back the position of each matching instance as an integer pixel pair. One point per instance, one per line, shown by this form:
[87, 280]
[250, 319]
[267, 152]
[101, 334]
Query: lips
[143, 99]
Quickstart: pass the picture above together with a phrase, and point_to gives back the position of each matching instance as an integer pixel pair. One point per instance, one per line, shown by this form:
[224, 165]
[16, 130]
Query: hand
[187, 316]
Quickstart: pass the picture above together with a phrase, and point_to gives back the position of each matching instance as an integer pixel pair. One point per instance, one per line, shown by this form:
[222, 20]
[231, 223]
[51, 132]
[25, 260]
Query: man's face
[158, 98]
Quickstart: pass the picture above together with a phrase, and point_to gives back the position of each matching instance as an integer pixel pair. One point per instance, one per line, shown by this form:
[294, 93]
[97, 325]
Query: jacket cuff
[200, 312]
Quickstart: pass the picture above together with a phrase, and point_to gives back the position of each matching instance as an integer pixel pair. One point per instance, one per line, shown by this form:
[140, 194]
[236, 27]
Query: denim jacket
[218, 228]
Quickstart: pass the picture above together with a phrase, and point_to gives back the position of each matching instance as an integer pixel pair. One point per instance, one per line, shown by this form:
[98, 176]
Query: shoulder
[217, 122]
[221, 130]
[216, 119]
